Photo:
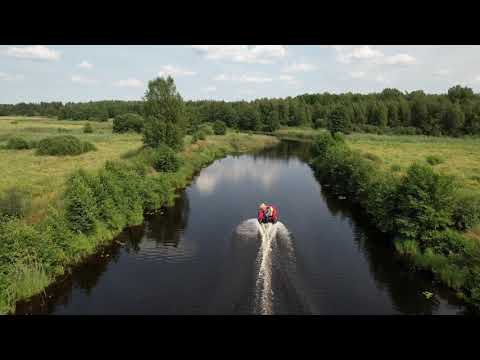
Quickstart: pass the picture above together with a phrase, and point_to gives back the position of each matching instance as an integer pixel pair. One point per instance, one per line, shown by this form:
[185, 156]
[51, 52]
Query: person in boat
[267, 214]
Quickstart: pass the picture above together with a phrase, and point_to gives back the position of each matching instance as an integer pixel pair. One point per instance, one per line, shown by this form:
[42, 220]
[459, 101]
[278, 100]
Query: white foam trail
[248, 229]
[264, 278]
[269, 234]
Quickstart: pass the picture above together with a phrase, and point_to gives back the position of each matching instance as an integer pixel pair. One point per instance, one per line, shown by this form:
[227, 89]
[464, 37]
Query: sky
[76, 73]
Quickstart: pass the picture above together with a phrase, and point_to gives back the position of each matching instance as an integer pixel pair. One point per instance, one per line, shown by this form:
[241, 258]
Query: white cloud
[130, 82]
[210, 89]
[8, 77]
[85, 65]
[35, 52]
[357, 74]
[398, 59]
[243, 78]
[441, 72]
[380, 78]
[172, 70]
[82, 80]
[347, 54]
[477, 78]
[299, 67]
[287, 77]
[259, 54]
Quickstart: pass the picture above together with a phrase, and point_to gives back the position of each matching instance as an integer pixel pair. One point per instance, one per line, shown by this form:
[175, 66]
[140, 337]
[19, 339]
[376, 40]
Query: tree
[404, 115]
[459, 93]
[419, 114]
[337, 120]
[219, 128]
[248, 117]
[165, 112]
[453, 120]
[392, 110]
[378, 115]
[128, 122]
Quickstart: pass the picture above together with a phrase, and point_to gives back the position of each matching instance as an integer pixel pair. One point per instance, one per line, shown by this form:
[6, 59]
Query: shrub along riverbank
[96, 206]
[423, 210]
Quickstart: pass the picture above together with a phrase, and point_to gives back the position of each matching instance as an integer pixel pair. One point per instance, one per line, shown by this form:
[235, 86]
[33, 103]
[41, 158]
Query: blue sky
[229, 72]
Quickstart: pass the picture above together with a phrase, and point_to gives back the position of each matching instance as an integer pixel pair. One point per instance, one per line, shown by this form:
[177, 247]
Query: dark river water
[206, 255]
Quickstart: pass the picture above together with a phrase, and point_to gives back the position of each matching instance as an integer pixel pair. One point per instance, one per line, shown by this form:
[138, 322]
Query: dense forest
[456, 113]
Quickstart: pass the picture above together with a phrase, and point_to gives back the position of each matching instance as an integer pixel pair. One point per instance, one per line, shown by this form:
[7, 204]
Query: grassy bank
[427, 212]
[458, 157]
[43, 177]
[94, 200]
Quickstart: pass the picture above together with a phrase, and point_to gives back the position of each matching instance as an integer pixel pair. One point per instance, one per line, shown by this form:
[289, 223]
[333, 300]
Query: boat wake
[271, 236]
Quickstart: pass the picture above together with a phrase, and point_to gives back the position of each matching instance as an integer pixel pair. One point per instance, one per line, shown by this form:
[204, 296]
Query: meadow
[43, 177]
[459, 157]
[81, 202]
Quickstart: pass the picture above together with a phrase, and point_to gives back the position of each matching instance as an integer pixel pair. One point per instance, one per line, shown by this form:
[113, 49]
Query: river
[204, 255]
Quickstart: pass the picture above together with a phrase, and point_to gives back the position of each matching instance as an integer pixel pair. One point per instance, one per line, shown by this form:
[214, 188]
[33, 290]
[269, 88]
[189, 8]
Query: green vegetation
[14, 203]
[219, 128]
[425, 210]
[165, 114]
[96, 196]
[96, 206]
[17, 143]
[434, 160]
[391, 111]
[63, 145]
[128, 122]
[453, 156]
[42, 178]
[165, 159]
[88, 129]
[337, 120]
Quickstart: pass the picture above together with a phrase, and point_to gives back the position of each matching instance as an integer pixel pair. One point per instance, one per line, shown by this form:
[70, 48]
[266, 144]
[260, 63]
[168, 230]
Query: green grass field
[460, 157]
[43, 177]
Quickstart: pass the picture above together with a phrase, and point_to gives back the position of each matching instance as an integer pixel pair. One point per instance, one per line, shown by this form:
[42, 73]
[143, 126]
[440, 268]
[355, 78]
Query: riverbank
[94, 208]
[424, 210]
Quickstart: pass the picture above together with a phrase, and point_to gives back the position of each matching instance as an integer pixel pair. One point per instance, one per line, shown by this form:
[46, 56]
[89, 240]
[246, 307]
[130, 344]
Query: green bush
[88, 129]
[165, 159]
[63, 145]
[157, 133]
[338, 120]
[372, 157]
[406, 247]
[402, 130]
[369, 129]
[320, 124]
[322, 142]
[63, 130]
[434, 160]
[17, 143]
[128, 122]
[80, 203]
[380, 199]
[219, 128]
[21, 242]
[466, 213]
[424, 204]
[395, 168]
[130, 181]
[206, 128]
[14, 203]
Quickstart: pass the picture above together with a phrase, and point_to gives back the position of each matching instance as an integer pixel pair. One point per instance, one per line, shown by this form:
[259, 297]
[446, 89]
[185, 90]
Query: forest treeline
[455, 113]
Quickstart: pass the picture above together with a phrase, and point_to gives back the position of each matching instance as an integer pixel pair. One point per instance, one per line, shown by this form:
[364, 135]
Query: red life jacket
[273, 216]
